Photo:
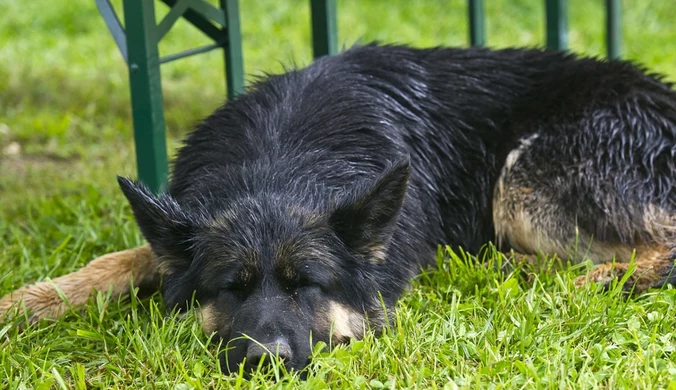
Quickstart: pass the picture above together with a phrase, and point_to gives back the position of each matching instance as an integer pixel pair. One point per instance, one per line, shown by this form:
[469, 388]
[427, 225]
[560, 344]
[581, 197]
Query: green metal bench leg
[614, 28]
[477, 29]
[557, 24]
[234, 63]
[324, 27]
[146, 93]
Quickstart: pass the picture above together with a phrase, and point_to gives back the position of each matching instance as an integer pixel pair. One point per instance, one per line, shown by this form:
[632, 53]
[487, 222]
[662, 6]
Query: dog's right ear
[161, 220]
[364, 221]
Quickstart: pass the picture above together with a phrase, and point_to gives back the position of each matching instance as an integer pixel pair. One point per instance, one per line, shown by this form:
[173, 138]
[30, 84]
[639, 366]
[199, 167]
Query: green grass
[64, 102]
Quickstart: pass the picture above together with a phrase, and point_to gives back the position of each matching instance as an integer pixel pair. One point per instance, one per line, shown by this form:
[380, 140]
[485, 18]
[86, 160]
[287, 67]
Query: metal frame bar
[215, 14]
[114, 25]
[477, 27]
[139, 47]
[202, 23]
[234, 59]
[146, 93]
[324, 27]
[174, 14]
[188, 53]
[556, 14]
[614, 28]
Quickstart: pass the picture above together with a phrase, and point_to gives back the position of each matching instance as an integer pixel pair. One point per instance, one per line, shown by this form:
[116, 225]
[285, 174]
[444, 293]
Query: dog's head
[273, 276]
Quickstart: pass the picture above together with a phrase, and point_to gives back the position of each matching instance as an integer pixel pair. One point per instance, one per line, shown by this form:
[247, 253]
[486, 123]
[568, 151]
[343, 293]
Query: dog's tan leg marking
[654, 262]
[653, 265]
[111, 271]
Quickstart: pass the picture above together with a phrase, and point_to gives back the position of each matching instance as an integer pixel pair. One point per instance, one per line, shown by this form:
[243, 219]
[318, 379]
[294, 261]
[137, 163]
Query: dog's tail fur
[114, 271]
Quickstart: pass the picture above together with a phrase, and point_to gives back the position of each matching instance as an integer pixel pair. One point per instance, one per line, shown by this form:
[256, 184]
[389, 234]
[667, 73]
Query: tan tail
[111, 271]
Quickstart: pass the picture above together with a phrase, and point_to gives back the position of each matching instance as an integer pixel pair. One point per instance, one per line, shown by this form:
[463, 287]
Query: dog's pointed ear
[365, 220]
[161, 220]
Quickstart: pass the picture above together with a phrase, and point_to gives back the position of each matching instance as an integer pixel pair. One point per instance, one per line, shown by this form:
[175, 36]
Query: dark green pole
[477, 29]
[614, 28]
[146, 93]
[557, 24]
[234, 62]
[324, 27]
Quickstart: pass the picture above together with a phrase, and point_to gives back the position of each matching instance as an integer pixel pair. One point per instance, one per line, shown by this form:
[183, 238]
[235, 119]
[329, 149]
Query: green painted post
[557, 24]
[234, 62]
[477, 29]
[614, 28]
[146, 93]
[324, 27]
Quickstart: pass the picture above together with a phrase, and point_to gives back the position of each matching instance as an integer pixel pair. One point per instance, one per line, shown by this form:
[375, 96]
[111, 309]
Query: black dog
[297, 210]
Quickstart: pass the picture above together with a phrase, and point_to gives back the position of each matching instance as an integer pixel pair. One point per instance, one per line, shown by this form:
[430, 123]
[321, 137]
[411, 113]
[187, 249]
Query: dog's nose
[279, 348]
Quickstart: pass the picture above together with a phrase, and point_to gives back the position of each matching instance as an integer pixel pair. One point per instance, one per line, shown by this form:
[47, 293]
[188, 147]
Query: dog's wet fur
[301, 210]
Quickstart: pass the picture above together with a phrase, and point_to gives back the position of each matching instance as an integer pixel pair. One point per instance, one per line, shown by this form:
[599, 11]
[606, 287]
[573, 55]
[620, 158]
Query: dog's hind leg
[561, 193]
[654, 267]
[113, 271]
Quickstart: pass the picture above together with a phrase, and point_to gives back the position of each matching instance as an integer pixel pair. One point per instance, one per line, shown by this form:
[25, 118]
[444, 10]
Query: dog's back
[316, 133]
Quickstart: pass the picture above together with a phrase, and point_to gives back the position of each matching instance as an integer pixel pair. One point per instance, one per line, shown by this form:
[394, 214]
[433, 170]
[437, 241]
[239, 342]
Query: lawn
[65, 133]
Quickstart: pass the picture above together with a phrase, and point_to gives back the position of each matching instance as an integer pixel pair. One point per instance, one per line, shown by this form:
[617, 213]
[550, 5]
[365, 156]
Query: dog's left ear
[161, 220]
[364, 221]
